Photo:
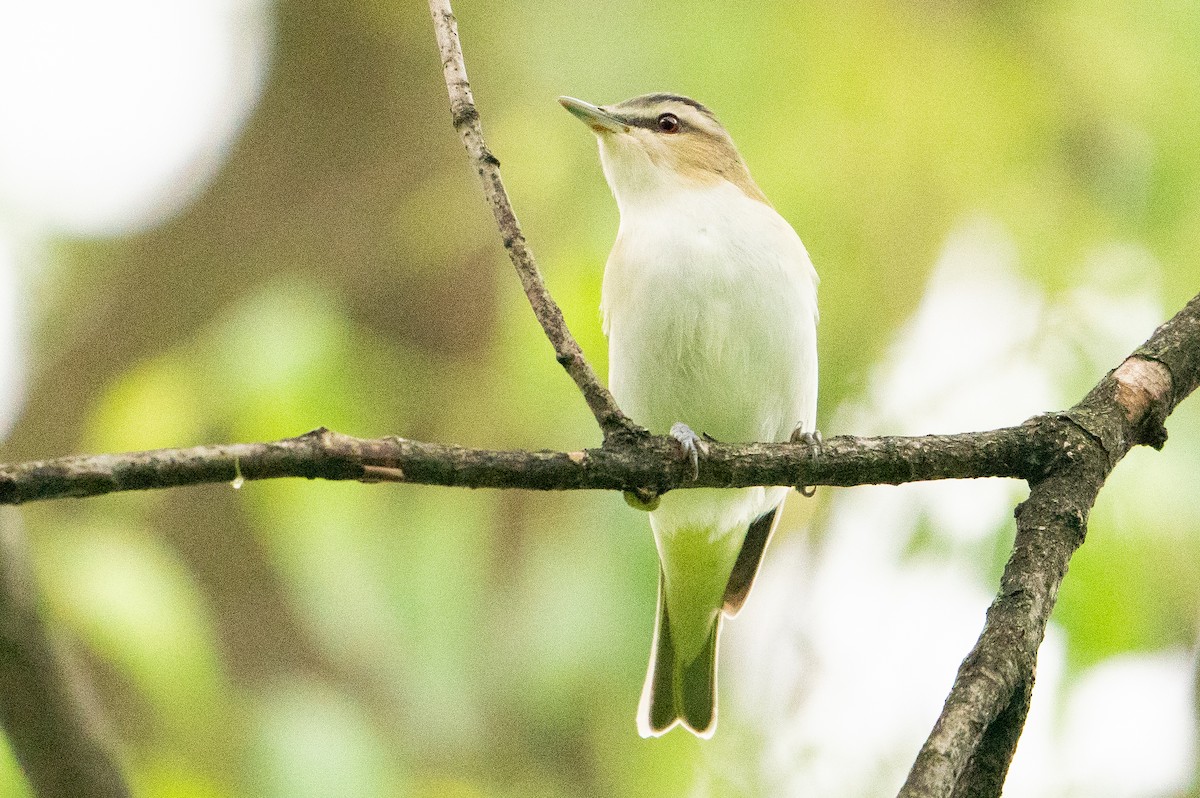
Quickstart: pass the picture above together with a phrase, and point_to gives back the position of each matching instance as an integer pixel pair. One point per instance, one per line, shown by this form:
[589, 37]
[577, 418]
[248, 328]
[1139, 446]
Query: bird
[709, 304]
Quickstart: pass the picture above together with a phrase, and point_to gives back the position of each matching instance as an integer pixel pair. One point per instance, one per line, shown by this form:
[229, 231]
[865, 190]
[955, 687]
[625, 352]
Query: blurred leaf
[172, 778]
[311, 743]
[153, 406]
[133, 602]
[12, 780]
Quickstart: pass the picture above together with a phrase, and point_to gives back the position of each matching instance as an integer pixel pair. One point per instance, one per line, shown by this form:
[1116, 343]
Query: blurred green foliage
[304, 639]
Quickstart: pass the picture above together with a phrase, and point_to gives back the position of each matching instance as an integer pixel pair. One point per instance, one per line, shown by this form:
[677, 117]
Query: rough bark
[647, 464]
[970, 748]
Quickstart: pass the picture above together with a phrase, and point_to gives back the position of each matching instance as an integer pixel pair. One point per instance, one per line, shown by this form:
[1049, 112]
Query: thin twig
[466, 121]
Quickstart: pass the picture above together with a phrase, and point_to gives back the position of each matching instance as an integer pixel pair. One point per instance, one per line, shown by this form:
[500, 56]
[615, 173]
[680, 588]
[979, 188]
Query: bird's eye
[668, 123]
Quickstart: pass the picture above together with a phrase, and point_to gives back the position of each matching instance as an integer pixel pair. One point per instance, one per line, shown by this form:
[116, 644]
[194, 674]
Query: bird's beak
[596, 118]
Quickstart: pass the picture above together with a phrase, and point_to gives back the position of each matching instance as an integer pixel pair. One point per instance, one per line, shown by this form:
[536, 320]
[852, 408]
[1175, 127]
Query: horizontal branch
[649, 465]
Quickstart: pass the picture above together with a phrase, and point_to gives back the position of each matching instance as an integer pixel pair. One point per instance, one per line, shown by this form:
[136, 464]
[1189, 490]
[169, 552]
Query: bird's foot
[814, 442]
[691, 445]
[813, 439]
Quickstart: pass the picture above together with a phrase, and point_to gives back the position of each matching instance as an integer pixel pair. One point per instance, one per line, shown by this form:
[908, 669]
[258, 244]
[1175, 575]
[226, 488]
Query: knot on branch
[463, 114]
[621, 433]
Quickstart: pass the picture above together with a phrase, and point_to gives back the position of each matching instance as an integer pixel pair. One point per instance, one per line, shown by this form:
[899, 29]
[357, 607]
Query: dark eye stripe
[640, 121]
[650, 122]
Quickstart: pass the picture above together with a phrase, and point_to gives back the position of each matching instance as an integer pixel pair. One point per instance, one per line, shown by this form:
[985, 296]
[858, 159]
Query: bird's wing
[748, 561]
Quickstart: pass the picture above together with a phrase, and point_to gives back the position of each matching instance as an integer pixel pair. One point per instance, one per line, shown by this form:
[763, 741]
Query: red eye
[668, 123]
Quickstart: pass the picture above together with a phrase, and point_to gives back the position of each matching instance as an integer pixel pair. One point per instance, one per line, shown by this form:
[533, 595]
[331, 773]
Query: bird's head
[662, 143]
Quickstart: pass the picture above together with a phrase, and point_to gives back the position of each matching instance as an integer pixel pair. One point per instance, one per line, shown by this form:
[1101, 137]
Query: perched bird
[710, 307]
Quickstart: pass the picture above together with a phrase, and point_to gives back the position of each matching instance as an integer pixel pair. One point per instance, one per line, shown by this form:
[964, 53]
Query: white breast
[709, 303]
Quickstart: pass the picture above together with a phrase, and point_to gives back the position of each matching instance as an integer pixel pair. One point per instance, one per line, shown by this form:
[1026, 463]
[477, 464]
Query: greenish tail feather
[680, 692]
[697, 696]
[662, 681]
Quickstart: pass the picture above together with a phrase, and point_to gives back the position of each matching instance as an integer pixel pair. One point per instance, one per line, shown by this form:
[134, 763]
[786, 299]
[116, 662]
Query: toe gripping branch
[691, 446]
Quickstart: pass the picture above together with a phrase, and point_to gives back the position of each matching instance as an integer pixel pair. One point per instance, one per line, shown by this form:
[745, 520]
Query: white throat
[637, 180]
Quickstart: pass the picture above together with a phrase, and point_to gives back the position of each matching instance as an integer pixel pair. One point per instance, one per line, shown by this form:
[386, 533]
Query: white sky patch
[116, 114]
[967, 360]
[963, 361]
[1111, 312]
[1127, 730]
[845, 652]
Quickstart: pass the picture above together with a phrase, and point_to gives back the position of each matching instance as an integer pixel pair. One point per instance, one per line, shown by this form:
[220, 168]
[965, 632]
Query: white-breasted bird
[710, 307]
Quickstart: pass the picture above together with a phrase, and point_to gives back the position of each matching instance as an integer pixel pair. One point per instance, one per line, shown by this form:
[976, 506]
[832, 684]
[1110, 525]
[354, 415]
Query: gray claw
[691, 445]
[813, 439]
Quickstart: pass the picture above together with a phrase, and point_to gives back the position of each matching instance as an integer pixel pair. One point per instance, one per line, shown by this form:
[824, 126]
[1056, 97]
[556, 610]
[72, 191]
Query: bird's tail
[679, 692]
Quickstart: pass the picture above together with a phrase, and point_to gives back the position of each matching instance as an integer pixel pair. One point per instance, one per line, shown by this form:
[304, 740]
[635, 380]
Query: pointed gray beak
[594, 117]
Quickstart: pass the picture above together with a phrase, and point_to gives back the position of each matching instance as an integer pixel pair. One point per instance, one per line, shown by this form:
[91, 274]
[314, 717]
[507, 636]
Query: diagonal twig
[466, 121]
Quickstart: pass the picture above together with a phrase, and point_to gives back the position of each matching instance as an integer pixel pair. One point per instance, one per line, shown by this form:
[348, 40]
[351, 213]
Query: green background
[340, 268]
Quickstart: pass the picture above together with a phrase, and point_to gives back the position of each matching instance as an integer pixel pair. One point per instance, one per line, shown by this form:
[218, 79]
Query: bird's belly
[736, 362]
[733, 358]
[710, 308]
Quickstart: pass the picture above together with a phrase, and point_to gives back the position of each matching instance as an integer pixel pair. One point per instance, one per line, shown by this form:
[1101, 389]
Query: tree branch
[970, 748]
[466, 121]
[648, 465]
[1066, 457]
